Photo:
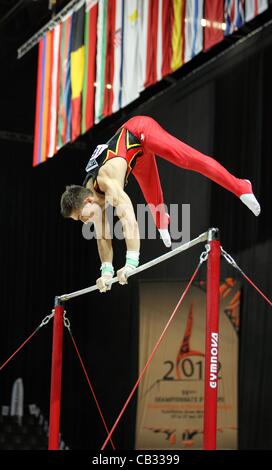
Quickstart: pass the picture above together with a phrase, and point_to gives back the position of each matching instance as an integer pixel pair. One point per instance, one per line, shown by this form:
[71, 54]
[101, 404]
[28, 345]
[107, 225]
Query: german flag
[77, 68]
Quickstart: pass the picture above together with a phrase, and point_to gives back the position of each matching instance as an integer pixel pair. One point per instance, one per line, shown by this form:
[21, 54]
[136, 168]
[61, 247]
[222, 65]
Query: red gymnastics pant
[156, 141]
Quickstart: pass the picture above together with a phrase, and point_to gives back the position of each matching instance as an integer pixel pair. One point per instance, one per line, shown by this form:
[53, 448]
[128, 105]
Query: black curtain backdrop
[223, 110]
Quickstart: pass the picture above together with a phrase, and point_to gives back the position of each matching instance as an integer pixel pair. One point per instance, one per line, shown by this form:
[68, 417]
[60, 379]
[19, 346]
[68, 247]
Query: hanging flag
[118, 55]
[152, 38]
[100, 59]
[254, 8]
[109, 65]
[89, 64]
[42, 98]
[167, 28]
[159, 42]
[77, 68]
[39, 102]
[54, 86]
[143, 11]
[64, 103]
[155, 27]
[234, 15]
[130, 46]
[214, 18]
[193, 28]
[178, 34]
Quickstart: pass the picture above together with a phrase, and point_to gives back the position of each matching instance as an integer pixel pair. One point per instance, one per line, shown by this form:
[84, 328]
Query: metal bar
[211, 347]
[56, 372]
[201, 238]
[31, 42]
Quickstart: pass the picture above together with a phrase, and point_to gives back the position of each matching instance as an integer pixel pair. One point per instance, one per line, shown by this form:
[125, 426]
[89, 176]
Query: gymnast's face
[88, 212]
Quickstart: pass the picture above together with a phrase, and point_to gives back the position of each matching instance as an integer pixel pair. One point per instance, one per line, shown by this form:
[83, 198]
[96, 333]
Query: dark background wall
[224, 110]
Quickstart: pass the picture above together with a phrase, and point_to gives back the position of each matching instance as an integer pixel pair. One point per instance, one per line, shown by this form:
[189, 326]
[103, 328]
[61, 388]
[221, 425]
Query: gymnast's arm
[105, 251]
[116, 196]
[103, 236]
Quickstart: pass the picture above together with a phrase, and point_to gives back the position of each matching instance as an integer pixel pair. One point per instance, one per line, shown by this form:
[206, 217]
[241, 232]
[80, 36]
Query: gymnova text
[118, 226]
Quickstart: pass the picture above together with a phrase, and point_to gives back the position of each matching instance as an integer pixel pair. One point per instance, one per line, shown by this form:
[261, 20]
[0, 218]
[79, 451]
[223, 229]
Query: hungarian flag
[214, 16]
[77, 68]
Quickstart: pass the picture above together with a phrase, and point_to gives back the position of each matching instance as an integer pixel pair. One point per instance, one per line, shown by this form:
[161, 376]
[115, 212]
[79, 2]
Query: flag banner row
[104, 53]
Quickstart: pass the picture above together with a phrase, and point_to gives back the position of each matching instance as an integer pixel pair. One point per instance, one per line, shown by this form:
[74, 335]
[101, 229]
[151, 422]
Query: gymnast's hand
[123, 273]
[103, 283]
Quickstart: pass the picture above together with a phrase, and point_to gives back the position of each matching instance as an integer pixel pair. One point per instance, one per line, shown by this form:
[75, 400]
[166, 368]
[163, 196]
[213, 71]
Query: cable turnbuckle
[66, 322]
[47, 319]
[230, 260]
[204, 255]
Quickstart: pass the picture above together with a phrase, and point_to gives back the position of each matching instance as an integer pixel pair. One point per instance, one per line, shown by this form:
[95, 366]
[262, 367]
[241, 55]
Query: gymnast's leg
[156, 140]
[147, 176]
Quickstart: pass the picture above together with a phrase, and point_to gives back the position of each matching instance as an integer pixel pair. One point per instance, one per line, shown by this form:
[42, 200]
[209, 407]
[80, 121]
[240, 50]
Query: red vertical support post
[211, 343]
[56, 370]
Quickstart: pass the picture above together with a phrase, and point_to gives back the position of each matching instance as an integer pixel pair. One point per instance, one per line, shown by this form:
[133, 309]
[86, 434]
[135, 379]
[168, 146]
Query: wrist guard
[132, 259]
[107, 268]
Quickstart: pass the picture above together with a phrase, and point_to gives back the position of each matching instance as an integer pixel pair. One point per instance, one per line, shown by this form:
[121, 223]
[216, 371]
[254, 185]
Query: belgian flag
[77, 68]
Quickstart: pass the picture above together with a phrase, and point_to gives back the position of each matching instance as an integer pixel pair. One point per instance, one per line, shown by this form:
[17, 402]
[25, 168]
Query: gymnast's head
[78, 203]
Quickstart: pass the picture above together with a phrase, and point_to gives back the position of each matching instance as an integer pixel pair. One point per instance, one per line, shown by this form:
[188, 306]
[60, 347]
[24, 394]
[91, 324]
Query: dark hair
[73, 198]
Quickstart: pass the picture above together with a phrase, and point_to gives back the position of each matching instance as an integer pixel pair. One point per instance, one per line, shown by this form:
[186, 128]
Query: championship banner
[171, 394]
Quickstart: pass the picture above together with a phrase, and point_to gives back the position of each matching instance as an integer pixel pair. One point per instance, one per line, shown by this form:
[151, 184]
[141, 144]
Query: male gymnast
[132, 150]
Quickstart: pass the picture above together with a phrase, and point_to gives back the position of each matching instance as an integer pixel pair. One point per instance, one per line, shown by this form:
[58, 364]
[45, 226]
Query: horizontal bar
[201, 238]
